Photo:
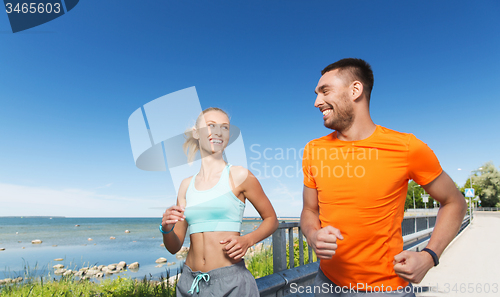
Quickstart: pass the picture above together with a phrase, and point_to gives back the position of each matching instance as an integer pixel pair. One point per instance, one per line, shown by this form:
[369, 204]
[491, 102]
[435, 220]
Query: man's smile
[326, 110]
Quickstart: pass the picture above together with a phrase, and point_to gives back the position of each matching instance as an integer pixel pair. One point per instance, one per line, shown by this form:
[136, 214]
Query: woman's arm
[174, 218]
[249, 186]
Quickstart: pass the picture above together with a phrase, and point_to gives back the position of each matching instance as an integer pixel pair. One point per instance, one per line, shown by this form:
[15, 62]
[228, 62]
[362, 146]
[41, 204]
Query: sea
[83, 242]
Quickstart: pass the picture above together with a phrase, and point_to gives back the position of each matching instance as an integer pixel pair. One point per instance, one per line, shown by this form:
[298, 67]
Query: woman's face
[213, 131]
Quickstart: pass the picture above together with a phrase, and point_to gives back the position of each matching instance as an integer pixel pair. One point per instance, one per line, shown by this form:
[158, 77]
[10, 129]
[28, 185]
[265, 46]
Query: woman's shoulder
[238, 170]
[185, 184]
[240, 174]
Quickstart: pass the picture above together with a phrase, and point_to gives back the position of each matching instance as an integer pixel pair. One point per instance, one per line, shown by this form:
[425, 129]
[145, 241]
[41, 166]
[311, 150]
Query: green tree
[414, 187]
[486, 183]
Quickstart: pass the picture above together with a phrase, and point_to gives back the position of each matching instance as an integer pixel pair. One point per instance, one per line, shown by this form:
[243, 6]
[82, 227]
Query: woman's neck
[211, 164]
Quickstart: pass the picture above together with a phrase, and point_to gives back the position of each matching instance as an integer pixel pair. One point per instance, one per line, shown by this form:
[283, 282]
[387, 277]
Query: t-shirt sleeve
[306, 167]
[423, 165]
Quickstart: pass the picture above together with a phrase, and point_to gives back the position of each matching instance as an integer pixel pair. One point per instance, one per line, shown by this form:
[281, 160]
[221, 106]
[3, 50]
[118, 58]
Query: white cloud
[284, 191]
[18, 200]
[287, 202]
[105, 186]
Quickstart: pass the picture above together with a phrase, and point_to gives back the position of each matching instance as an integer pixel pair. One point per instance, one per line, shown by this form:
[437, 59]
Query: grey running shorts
[229, 281]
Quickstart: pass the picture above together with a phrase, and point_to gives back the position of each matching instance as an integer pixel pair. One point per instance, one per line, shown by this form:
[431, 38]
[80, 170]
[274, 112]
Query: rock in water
[58, 266]
[182, 253]
[36, 241]
[126, 231]
[68, 272]
[59, 259]
[161, 260]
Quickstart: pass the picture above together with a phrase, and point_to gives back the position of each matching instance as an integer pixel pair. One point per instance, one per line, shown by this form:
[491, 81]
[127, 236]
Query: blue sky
[67, 88]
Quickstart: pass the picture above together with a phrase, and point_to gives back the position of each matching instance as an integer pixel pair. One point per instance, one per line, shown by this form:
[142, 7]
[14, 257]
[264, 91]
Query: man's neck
[358, 131]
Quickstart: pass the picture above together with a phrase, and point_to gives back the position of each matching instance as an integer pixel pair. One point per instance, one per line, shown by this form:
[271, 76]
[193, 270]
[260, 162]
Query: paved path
[471, 264]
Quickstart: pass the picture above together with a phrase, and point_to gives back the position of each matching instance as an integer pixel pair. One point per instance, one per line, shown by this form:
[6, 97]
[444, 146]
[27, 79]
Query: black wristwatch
[433, 255]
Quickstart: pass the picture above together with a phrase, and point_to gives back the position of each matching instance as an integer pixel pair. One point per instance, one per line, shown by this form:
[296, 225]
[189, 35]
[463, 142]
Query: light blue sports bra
[216, 209]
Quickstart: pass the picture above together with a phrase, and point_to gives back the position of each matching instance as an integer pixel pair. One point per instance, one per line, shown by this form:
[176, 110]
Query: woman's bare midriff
[207, 253]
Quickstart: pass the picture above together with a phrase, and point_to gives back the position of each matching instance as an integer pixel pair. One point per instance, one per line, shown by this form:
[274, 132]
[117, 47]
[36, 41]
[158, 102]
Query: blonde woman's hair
[192, 145]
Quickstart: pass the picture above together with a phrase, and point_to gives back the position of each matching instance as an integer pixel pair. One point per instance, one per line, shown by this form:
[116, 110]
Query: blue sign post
[469, 192]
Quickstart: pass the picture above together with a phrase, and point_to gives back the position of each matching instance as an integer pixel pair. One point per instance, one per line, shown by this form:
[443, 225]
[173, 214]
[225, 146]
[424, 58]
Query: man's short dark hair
[354, 69]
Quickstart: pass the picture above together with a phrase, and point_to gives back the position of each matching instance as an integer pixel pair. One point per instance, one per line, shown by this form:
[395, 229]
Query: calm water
[142, 244]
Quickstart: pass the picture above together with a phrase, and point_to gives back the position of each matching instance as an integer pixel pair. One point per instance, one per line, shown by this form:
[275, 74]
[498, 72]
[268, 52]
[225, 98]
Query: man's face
[333, 101]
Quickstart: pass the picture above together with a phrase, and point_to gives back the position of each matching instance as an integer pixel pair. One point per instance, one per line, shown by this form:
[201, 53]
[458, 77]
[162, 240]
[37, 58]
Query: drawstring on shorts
[197, 279]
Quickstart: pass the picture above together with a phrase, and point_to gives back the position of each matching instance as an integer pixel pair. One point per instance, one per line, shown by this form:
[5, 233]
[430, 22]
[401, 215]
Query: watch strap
[433, 255]
[166, 232]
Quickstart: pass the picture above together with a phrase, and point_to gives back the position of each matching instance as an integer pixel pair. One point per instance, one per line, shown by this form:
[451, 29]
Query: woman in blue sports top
[211, 204]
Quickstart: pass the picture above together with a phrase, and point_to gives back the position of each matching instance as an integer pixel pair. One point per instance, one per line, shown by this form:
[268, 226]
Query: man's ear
[356, 90]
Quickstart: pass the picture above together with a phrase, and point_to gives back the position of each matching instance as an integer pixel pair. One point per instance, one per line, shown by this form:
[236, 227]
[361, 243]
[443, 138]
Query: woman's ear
[195, 133]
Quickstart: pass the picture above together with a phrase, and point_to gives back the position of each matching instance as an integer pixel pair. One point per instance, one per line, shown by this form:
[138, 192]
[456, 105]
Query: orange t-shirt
[362, 189]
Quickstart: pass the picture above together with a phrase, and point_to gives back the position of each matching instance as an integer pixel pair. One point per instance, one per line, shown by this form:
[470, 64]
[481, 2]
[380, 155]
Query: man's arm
[451, 213]
[322, 240]
[413, 266]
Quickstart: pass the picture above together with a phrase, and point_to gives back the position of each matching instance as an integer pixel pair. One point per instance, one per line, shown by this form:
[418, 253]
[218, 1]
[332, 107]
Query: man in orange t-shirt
[355, 184]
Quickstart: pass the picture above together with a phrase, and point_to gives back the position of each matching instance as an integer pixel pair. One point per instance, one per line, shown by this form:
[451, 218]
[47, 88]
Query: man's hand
[412, 266]
[236, 246]
[324, 242]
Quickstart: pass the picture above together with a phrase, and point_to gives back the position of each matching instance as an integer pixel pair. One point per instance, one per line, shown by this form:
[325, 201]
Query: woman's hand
[236, 246]
[171, 216]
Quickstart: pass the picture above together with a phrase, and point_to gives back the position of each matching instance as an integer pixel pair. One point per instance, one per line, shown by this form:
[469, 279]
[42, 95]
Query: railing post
[416, 228]
[301, 247]
[279, 250]
[309, 253]
[291, 254]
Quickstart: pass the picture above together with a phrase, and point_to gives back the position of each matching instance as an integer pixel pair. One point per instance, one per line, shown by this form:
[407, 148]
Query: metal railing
[279, 246]
[487, 209]
[416, 231]
[276, 283]
[417, 223]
